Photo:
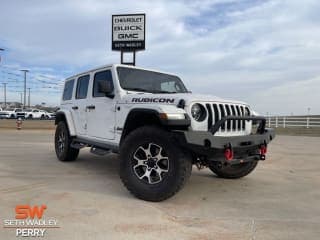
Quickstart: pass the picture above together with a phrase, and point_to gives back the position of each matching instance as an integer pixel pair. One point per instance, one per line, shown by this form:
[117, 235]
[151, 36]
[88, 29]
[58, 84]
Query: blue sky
[264, 52]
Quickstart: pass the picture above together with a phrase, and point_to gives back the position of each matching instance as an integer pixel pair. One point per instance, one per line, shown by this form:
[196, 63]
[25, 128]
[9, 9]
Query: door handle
[91, 107]
[75, 108]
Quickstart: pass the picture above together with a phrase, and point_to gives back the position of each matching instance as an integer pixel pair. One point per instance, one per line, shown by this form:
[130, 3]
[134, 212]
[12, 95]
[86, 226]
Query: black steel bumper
[205, 143]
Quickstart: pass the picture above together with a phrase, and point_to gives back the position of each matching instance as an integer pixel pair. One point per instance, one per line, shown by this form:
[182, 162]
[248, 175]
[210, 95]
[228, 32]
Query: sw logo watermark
[29, 221]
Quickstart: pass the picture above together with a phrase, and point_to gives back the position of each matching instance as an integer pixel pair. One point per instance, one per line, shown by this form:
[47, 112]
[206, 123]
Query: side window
[100, 77]
[68, 88]
[82, 87]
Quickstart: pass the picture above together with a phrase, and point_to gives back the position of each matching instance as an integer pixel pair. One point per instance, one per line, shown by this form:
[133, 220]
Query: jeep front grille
[217, 111]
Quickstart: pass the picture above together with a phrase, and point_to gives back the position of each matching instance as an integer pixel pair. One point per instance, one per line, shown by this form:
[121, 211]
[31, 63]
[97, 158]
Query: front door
[101, 111]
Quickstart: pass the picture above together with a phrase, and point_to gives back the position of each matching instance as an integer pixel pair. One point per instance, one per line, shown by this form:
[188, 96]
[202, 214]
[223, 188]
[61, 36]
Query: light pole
[25, 87]
[4, 87]
[5, 94]
[29, 98]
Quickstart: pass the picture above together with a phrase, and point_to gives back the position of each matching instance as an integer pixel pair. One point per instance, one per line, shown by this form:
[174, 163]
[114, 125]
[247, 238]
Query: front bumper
[205, 143]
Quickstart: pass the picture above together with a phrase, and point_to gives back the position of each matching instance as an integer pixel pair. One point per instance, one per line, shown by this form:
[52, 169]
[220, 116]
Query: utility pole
[5, 94]
[4, 85]
[29, 98]
[21, 98]
[25, 87]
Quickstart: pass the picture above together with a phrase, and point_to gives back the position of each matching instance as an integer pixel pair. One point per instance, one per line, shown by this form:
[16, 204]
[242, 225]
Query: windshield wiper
[150, 91]
[137, 89]
[162, 91]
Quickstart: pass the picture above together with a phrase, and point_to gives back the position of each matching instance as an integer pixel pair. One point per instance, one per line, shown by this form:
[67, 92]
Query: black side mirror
[106, 87]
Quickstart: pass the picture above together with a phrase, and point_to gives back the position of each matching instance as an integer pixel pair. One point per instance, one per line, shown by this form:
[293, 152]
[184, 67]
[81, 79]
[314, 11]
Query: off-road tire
[67, 153]
[179, 164]
[233, 171]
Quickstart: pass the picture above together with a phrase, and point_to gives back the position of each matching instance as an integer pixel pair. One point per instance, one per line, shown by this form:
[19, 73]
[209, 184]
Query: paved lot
[280, 200]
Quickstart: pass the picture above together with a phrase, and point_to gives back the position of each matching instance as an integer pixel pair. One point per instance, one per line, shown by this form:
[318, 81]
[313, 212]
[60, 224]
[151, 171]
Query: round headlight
[198, 112]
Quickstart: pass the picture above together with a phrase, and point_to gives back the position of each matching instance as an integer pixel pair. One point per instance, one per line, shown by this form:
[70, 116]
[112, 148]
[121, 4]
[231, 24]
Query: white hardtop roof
[115, 65]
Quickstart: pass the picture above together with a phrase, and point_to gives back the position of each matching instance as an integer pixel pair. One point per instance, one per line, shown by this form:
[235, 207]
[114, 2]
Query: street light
[29, 98]
[25, 86]
[4, 87]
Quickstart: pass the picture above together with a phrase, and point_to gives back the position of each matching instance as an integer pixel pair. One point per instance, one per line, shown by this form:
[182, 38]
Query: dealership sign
[30, 221]
[128, 32]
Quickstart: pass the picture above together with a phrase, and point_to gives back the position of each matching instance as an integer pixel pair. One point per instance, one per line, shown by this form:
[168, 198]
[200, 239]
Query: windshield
[9, 109]
[148, 81]
[28, 110]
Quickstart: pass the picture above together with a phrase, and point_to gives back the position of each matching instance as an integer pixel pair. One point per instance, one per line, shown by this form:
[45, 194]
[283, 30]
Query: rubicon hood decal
[154, 100]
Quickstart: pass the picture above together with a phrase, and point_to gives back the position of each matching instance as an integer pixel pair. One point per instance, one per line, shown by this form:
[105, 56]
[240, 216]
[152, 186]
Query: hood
[174, 99]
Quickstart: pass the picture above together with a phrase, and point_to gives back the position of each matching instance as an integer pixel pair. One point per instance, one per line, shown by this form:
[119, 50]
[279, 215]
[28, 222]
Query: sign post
[128, 34]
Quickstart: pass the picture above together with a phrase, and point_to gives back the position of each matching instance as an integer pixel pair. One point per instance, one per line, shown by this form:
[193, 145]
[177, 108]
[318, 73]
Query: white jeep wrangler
[159, 128]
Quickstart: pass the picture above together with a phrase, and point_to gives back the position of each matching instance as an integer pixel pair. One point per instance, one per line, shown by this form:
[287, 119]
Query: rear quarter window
[68, 89]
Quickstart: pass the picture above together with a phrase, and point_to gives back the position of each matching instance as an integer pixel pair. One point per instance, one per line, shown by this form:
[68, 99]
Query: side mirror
[106, 88]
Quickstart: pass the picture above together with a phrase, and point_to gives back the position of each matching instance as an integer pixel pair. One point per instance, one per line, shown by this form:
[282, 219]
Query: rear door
[101, 115]
[79, 107]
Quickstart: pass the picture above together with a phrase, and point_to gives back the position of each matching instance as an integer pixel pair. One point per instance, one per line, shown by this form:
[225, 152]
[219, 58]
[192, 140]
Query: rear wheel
[152, 167]
[232, 171]
[63, 148]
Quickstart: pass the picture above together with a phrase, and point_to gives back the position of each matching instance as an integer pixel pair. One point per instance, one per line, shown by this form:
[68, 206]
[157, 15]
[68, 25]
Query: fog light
[263, 150]
[228, 154]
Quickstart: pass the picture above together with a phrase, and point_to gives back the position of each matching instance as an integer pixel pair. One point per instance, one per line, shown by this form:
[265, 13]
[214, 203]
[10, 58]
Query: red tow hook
[228, 153]
[263, 151]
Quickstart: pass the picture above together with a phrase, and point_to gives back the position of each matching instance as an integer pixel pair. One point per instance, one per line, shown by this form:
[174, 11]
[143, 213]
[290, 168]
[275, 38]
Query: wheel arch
[139, 117]
[67, 118]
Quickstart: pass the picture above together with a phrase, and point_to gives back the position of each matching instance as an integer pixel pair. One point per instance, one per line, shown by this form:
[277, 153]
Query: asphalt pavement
[279, 200]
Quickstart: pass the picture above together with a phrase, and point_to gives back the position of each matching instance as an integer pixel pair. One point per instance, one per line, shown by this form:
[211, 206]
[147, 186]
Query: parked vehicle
[50, 115]
[10, 113]
[3, 114]
[35, 114]
[158, 127]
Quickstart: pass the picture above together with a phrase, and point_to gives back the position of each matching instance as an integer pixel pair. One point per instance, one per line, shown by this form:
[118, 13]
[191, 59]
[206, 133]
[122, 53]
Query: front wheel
[152, 167]
[232, 171]
[63, 148]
